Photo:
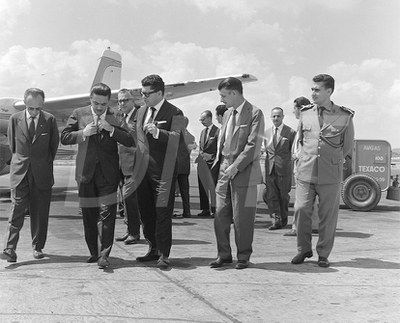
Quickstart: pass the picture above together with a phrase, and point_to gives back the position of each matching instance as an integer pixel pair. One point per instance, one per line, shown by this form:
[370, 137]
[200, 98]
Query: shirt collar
[102, 116]
[159, 104]
[28, 115]
[280, 127]
[240, 107]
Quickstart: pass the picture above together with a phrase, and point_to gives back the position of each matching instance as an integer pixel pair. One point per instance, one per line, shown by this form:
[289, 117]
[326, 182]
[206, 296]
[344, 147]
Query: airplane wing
[62, 107]
[183, 89]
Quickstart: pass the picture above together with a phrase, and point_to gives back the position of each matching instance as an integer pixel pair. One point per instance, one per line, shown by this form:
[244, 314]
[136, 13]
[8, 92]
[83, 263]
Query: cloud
[10, 12]
[237, 9]
[56, 72]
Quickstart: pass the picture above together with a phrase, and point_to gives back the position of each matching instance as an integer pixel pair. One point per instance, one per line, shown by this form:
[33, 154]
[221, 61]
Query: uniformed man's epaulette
[347, 110]
[306, 107]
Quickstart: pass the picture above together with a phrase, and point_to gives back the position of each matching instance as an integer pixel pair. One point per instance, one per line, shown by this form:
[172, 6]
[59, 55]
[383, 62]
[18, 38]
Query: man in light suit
[127, 162]
[279, 168]
[206, 175]
[238, 154]
[97, 132]
[326, 136]
[159, 127]
[33, 138]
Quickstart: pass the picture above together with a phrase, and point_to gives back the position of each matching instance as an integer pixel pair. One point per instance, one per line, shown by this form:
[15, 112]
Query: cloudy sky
[55, 45]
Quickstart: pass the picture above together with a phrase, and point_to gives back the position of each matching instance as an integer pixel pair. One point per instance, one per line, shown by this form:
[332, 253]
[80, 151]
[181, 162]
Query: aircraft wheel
[361, 192]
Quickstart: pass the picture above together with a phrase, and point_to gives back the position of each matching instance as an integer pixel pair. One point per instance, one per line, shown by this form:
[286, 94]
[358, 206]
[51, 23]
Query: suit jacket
[158, 155]
[280, 156]
[100, 148]
[245, 144]
[127, 154]
[322, 150]
[208, 149]
[38, 155]
[186, 138]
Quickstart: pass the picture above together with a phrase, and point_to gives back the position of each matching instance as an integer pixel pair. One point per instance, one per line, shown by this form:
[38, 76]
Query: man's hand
[104, 125]
[151, 128]
[231, 171]
[90, 129]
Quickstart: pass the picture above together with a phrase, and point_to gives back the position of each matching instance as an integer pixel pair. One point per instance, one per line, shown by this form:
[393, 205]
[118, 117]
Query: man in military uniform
[326, 135]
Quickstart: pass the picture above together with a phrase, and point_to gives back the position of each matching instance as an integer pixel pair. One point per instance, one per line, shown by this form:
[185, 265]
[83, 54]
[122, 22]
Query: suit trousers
[329, 199]
[237, 203]
[98, 200]
[27, 195]
[156, 195]
[183, 182]
[278, 189]
[207, 179]
[131, 205]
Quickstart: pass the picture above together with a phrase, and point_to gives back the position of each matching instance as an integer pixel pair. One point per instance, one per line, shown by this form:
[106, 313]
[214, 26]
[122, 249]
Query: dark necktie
[321, 116]
[205, 135]
[151, 119]
[275, 138]
[229, 134]
[32, 129]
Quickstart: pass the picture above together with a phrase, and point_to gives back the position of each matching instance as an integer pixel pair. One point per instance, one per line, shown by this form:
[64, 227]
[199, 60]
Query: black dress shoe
[242, 264]
[150, 256]
[38, 254]
[204, 213]
[92, 259]
[299, 258]
[163, 263]
[219, 262]
[132, 239]
[103, 262]
[122, 238]
[184, 215]
[323, 262]
[275, 226]
[10, 255]
[284, 223]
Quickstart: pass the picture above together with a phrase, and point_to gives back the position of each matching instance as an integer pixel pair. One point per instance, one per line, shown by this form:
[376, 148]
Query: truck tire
[361, 192]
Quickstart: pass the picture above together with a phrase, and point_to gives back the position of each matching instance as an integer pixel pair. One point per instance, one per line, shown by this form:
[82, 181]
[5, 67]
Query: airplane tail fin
[109, 70]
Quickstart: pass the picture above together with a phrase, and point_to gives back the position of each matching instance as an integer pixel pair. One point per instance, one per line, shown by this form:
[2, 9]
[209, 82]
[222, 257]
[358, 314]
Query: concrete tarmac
[362, 284]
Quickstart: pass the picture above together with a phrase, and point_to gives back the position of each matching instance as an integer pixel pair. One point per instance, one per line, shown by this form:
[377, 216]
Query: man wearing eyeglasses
[159, 127]
[33, 138]
[97, 132]
[127, 159]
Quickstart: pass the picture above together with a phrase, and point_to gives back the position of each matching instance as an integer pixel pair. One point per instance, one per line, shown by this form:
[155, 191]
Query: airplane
[108, 72]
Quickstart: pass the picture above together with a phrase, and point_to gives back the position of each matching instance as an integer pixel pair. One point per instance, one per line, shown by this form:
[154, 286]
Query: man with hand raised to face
[97, 132]
[159, 127]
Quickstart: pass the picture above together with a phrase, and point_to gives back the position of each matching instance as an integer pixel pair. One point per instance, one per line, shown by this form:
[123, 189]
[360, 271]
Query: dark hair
[300, 101]
[101, 89]
[34, 92]
[220, 110]
[155, 82]
[124, 91]
[208, 113]
[231, 83]
[277, 108]
[329, 82]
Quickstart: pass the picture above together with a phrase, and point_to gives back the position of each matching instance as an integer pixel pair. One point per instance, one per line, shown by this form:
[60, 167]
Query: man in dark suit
[206, 175]
[186, 145]
[33, 138]
[97, 131]
[158, 131]
[128, 114]
[279, 168]
[239, 149]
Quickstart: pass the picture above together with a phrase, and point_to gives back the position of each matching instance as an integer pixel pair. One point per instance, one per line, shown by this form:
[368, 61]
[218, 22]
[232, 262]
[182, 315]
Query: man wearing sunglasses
[33, 138]
[159, 126]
